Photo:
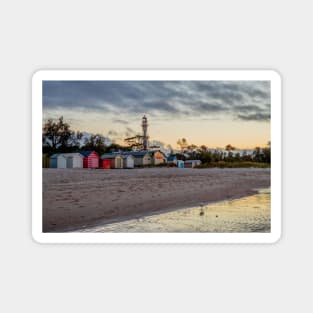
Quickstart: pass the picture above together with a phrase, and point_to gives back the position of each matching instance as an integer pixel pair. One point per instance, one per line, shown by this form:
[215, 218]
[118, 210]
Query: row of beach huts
[129, 159]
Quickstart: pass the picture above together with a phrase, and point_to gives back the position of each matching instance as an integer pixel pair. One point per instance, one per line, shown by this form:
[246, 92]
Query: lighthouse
[145, 132]
[140, 142]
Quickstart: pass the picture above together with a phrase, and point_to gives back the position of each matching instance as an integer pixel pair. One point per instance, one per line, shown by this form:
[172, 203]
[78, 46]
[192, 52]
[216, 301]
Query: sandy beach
[75, 198]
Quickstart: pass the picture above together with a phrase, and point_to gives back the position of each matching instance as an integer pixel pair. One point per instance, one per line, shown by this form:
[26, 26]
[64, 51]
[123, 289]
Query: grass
[223, 164]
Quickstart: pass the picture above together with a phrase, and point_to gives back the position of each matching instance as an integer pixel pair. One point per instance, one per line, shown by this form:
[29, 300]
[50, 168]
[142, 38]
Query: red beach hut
[109, 160]
[106, 163]
[91, 159]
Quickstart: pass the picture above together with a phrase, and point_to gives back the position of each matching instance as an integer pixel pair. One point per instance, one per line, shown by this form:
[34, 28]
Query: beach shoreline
[240, 215]
[81, 198]
[105, 222]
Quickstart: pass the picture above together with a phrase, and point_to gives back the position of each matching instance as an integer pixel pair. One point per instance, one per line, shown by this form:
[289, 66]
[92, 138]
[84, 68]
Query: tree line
[57, 137]
[229, 154]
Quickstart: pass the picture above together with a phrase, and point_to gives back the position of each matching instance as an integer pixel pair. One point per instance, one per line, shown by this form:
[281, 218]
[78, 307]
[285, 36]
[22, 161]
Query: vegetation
[182, 143]
[57, 137]
[261, 157]
[97, 143]
[223, 164]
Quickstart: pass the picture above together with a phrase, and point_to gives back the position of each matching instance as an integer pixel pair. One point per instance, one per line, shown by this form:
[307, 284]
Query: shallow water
[248, 214]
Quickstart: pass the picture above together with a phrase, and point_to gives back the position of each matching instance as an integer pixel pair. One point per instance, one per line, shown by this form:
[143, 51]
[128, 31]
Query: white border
[271, 75]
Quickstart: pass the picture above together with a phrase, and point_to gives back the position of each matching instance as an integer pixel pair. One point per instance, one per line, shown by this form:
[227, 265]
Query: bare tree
[182, 143]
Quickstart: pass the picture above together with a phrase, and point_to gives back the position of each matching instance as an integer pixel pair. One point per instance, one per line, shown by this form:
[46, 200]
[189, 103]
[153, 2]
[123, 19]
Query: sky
[213, 113]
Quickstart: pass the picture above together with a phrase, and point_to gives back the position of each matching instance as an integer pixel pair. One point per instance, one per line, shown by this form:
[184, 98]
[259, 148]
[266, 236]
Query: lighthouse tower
[145, 132]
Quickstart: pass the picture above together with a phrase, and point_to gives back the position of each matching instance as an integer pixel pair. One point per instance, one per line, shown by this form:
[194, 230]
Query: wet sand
[250, 214]
[79, 198]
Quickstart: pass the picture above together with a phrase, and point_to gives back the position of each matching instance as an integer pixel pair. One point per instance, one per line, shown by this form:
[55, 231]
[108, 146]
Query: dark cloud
[121, 121]
[204, 107]
[246, 100]
[254, 117]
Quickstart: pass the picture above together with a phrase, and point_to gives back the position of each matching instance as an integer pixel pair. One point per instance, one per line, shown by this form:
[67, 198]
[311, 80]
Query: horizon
[211, 113]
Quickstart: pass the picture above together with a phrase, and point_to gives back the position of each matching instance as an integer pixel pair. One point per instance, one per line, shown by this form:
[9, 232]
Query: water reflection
[249, 214]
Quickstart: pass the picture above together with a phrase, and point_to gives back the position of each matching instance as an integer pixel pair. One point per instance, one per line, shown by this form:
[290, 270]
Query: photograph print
[156, 156]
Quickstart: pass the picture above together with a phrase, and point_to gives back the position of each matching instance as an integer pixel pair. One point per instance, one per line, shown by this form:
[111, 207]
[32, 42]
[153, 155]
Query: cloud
[130, 132]
[113, 133]
[245, 100]
[120, 121]
[254, 117]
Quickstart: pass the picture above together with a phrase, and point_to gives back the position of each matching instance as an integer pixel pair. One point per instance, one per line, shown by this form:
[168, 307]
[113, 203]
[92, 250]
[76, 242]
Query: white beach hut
[128, 161]
[74, 160]
[141, 158]
[57, 160]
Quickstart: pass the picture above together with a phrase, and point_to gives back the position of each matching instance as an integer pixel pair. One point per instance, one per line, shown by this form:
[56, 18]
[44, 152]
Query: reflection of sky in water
[249, 214]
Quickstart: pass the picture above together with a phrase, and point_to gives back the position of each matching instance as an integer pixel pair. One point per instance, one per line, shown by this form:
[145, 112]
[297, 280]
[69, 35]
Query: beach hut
[172, 159]
[74, 160]
[157, 157]
[180, 163]
[105, 163]
[45, 160]
[90, 159]
[57, 160]
[141, 158]
[128, 161]
[192, 163]
[110, 160]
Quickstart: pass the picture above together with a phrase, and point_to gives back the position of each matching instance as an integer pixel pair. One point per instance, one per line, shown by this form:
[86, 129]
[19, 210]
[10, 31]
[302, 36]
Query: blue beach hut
[180, 164]
[57, 161]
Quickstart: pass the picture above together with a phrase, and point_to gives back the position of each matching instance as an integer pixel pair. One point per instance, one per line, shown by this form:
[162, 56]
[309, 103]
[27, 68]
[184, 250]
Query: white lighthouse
[145, 132]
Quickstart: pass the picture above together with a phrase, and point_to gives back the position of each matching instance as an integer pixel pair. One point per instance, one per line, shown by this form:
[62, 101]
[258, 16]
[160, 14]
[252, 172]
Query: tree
[183, 144]
[203, 148]
[206, 157]
[229, 147]
[237, 157]
[169, 147]
[192, 147]
[266, 155]
[58, 135]
[114, 147]
[257, 154]
[96, 143]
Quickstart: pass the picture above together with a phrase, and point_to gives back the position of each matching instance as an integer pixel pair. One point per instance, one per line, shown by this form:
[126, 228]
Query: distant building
[241, 152]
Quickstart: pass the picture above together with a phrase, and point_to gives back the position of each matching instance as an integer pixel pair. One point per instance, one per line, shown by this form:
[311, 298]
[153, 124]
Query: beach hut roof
[136, 153]
[86, 153]
[171, 158]
[125, 156]
[72, 154]
[56, 155]
[109, 156]
[159, 151]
